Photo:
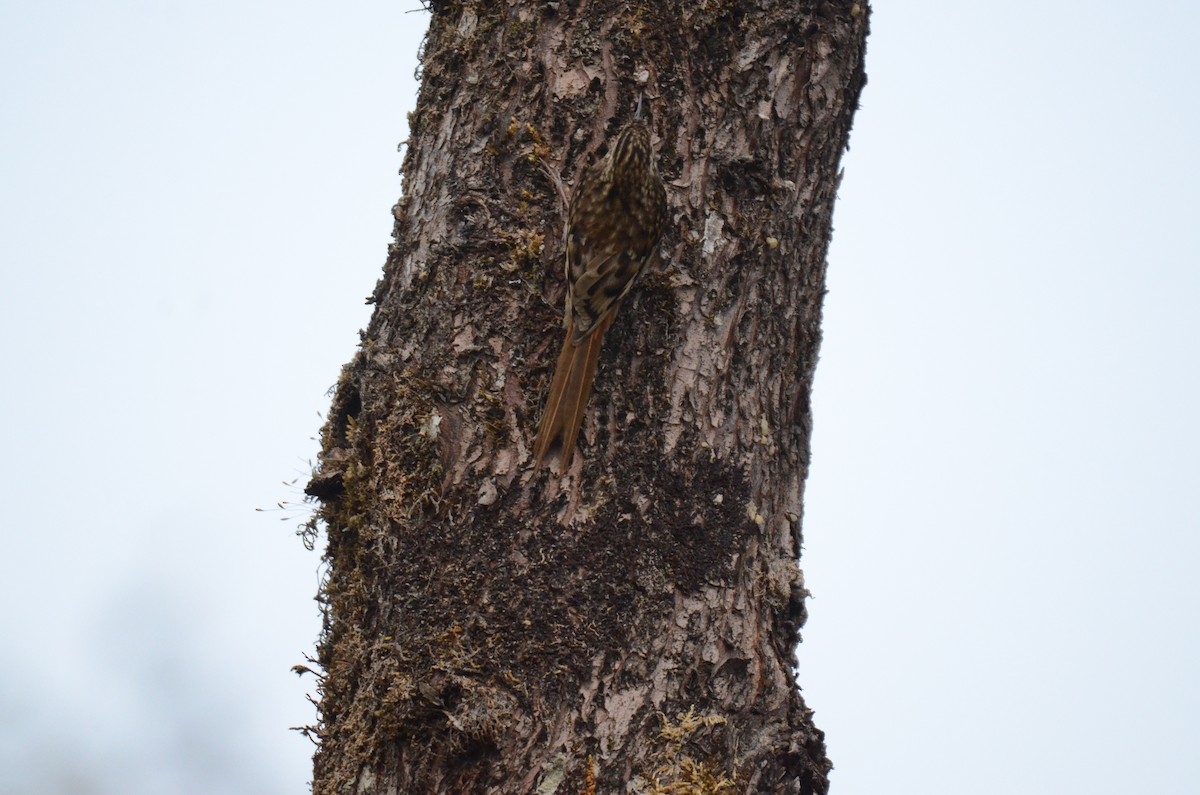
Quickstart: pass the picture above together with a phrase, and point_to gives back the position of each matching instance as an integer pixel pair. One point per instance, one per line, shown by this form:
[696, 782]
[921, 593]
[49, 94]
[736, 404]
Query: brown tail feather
[569, 392]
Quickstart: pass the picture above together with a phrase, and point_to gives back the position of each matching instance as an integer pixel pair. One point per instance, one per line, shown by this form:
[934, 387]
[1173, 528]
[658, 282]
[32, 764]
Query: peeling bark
[631, 626]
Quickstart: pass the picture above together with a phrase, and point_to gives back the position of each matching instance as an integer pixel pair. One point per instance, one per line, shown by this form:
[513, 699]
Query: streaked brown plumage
[613, 227]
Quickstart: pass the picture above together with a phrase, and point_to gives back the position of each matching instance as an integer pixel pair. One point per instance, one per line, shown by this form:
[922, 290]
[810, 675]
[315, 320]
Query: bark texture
[630, 627]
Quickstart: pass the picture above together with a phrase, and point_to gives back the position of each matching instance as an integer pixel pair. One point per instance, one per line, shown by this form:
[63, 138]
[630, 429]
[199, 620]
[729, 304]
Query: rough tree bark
[630, 627]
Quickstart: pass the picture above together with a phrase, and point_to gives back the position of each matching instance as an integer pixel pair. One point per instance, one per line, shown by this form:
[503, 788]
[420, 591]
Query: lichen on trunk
[631, 626]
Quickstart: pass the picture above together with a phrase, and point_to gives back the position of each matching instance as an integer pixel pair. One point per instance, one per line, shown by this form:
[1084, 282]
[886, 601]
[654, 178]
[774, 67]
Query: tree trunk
[631, 625]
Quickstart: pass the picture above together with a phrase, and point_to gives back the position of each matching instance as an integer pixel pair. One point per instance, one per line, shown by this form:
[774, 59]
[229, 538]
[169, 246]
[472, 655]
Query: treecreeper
[615, 221]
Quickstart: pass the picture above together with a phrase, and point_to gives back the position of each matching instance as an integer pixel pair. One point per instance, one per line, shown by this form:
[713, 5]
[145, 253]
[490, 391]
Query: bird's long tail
[569, 392]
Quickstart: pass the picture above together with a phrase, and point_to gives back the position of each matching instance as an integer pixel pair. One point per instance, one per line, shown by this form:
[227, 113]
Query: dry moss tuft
[679, 771]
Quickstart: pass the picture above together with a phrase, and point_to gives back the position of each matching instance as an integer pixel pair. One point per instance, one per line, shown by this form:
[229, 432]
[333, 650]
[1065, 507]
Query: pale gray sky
[1001, 529]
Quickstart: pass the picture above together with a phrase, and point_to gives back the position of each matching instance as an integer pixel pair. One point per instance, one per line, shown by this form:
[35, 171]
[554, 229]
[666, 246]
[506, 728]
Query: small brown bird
[613, 227]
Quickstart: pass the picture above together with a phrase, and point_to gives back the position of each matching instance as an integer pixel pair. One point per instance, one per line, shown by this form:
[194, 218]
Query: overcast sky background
[1002, 534]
